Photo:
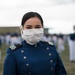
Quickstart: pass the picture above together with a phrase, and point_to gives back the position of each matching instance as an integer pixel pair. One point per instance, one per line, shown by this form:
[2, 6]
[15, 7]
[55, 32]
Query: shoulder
[50, 46]
[15, 47]
[51, 43]
[47, 43]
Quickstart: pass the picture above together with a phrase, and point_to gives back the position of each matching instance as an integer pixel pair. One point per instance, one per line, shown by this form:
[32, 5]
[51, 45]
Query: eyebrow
[38, 25]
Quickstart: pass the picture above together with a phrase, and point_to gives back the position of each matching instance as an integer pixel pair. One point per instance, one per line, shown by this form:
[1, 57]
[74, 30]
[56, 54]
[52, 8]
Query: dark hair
[31, 15]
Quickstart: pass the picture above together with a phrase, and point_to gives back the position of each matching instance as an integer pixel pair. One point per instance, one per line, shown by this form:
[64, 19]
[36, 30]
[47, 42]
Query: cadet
[0, 46]
[72, 46]
[60, 43]
[33, 56]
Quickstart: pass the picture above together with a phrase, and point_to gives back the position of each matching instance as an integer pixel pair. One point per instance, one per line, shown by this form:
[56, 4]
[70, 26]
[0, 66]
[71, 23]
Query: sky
[58, 15]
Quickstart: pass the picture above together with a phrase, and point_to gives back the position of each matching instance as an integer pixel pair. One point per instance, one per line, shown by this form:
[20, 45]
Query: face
[32, 23]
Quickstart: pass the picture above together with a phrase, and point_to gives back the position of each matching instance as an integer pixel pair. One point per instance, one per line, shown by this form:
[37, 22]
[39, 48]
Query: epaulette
[45, 42]
[51, 43]
[14, 47]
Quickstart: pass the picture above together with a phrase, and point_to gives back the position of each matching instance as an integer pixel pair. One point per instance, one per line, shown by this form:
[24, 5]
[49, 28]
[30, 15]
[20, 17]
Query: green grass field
[70, 67]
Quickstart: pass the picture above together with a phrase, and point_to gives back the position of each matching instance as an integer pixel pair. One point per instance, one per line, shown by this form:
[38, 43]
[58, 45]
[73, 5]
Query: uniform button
[22, 51]
[29, 73]
[27, 64]
[25, 57]
[50, 54]
[47, 48]
[51, 61]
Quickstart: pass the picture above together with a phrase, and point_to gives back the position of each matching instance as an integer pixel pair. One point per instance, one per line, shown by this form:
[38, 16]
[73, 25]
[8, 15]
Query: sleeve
[60, 69]
[9, 64]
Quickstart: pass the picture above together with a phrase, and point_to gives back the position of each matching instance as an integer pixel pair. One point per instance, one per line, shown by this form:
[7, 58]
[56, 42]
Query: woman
[33, 56]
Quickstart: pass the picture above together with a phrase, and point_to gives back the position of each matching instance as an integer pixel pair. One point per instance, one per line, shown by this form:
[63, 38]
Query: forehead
[34, 20]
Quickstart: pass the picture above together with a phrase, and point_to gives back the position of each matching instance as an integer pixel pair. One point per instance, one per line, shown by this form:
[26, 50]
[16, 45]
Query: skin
[33, 23]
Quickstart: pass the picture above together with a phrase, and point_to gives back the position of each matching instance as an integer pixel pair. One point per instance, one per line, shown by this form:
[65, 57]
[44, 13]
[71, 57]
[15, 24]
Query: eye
[38, 26]
[28, 27]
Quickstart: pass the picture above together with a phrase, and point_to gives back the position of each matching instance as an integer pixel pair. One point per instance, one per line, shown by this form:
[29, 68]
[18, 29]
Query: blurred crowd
[59, 40]
[10, 39]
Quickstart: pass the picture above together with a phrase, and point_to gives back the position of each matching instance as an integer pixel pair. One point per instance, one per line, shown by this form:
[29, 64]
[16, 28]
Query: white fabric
[72, 50]
[32, 36]
[14, 40]
[60, 45]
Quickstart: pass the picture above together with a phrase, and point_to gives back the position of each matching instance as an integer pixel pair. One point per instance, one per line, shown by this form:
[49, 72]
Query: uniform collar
[26, 44]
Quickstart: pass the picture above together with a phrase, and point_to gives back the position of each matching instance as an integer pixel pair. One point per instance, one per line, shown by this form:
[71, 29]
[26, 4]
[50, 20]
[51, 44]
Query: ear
[21, 28]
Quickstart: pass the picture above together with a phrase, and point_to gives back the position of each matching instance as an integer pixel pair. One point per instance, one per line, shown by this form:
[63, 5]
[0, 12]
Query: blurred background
[59, 19]
[57, 14]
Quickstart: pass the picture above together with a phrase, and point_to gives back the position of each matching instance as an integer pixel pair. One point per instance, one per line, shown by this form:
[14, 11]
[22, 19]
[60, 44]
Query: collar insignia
[13, 47]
